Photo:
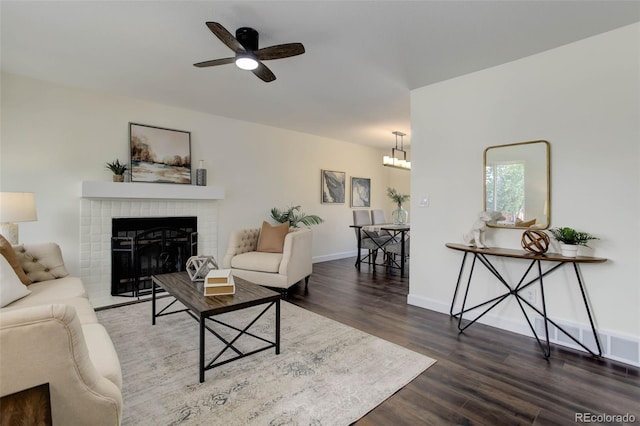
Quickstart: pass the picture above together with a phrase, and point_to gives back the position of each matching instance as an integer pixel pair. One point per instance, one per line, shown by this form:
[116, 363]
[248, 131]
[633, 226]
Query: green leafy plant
[570, 236]
[117, 167]
[397, 198]
[295, 216]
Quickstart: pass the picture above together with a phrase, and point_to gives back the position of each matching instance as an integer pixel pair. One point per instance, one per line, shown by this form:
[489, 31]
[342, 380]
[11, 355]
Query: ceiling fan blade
[279, 51]
[215, 62]
[225, 36]
[264, 73]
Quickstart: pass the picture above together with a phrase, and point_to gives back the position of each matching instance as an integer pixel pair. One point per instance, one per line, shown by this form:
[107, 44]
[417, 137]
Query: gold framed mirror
[517, 183]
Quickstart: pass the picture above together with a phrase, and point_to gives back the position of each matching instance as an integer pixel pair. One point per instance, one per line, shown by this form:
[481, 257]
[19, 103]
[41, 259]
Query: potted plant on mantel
[570, 239]
[118, 170]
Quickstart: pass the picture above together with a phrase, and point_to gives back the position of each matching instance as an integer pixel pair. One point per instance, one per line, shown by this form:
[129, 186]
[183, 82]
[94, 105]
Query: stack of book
[219, 282]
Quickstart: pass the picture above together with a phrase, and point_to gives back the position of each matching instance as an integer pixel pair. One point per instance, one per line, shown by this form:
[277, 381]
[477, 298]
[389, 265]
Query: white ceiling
[353, 83]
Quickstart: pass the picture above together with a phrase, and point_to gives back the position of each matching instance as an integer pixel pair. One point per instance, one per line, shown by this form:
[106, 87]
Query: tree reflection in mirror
[505, 190]
[516, 184]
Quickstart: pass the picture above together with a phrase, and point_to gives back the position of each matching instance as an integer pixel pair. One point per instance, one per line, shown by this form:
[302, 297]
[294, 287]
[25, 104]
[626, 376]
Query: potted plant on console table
[118, 170]
[570, 239]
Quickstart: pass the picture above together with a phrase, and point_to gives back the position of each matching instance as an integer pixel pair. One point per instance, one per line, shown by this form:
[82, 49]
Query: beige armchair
[277, 270]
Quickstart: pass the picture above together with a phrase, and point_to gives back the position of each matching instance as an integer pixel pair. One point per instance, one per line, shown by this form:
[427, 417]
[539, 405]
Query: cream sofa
[277, 270]
[52, 335]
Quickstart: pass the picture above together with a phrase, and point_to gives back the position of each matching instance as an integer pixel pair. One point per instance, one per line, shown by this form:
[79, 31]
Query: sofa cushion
[8, 253]
[84, 310]
[257, 261]
[41, 262]
[102, 353]
[271, 238]
[58, 289]
[47, 292]
[11, 288]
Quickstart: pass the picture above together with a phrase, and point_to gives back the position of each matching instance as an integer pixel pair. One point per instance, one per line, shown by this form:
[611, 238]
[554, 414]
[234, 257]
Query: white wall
[584, 98]
[54, 137]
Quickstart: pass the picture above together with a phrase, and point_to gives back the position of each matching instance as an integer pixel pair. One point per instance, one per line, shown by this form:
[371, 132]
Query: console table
[557, 261]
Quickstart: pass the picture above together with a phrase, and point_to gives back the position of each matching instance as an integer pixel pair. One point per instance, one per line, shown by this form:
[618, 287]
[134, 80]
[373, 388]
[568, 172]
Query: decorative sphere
[535, 241]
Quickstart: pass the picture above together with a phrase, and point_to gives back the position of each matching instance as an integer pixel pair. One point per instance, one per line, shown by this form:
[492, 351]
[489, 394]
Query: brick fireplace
[103, 201]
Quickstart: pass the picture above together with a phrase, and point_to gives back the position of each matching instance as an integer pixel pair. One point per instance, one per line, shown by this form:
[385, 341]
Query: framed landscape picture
[159, 155]
[360, 192]
[333, 187]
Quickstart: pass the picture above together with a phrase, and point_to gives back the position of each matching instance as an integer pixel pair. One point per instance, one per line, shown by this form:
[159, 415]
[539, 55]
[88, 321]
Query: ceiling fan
[248, 56]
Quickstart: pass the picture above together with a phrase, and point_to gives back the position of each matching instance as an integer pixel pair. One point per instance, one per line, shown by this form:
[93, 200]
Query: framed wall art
[159, 155]
[333, 187]
[360, 192]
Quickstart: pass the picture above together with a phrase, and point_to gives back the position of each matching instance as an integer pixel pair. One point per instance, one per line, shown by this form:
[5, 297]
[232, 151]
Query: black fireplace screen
[142, 247]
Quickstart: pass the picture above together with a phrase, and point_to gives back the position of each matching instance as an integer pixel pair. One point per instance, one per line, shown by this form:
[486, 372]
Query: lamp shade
[17, 207]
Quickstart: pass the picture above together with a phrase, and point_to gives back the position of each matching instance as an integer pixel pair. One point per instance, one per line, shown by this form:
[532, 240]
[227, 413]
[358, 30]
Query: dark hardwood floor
[485, 376]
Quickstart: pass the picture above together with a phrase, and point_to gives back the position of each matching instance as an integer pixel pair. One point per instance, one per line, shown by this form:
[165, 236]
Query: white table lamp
[16, 207]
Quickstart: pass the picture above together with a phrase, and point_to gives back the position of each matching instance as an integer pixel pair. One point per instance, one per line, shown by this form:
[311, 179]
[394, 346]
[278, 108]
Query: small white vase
[569, 250]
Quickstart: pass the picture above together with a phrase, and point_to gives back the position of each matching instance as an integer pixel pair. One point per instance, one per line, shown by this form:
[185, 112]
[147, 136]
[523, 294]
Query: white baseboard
[615, 346]
[334, 256]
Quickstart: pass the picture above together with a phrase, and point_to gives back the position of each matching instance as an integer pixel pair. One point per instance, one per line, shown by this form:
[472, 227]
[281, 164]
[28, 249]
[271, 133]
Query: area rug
[327, 373]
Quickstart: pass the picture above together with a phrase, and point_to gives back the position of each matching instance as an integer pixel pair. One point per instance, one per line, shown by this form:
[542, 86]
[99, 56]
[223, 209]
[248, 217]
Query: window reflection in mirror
[516, 184]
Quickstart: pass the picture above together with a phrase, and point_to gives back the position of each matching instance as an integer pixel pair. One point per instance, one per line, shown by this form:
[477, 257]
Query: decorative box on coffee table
[219, 282]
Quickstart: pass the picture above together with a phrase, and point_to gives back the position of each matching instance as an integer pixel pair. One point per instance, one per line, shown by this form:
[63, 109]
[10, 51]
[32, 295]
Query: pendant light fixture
[393, 161]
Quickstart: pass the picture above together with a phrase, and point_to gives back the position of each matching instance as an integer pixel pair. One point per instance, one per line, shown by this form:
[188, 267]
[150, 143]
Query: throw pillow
[11, 288]
[271, 239]
[10, 255]
[41, 262]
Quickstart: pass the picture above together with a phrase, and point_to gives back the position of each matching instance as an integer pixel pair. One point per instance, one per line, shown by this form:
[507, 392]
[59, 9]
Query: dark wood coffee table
[203, 308]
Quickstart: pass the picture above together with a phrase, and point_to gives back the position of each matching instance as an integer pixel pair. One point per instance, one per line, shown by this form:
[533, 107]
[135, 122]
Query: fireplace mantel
[150, 191]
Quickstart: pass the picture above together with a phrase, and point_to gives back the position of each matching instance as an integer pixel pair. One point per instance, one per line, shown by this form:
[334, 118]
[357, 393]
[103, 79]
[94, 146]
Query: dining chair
[394, 250]
[368, 240]
[378, 217]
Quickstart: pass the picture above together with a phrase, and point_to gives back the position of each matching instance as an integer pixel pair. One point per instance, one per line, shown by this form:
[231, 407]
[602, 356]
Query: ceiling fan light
[246, 62]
